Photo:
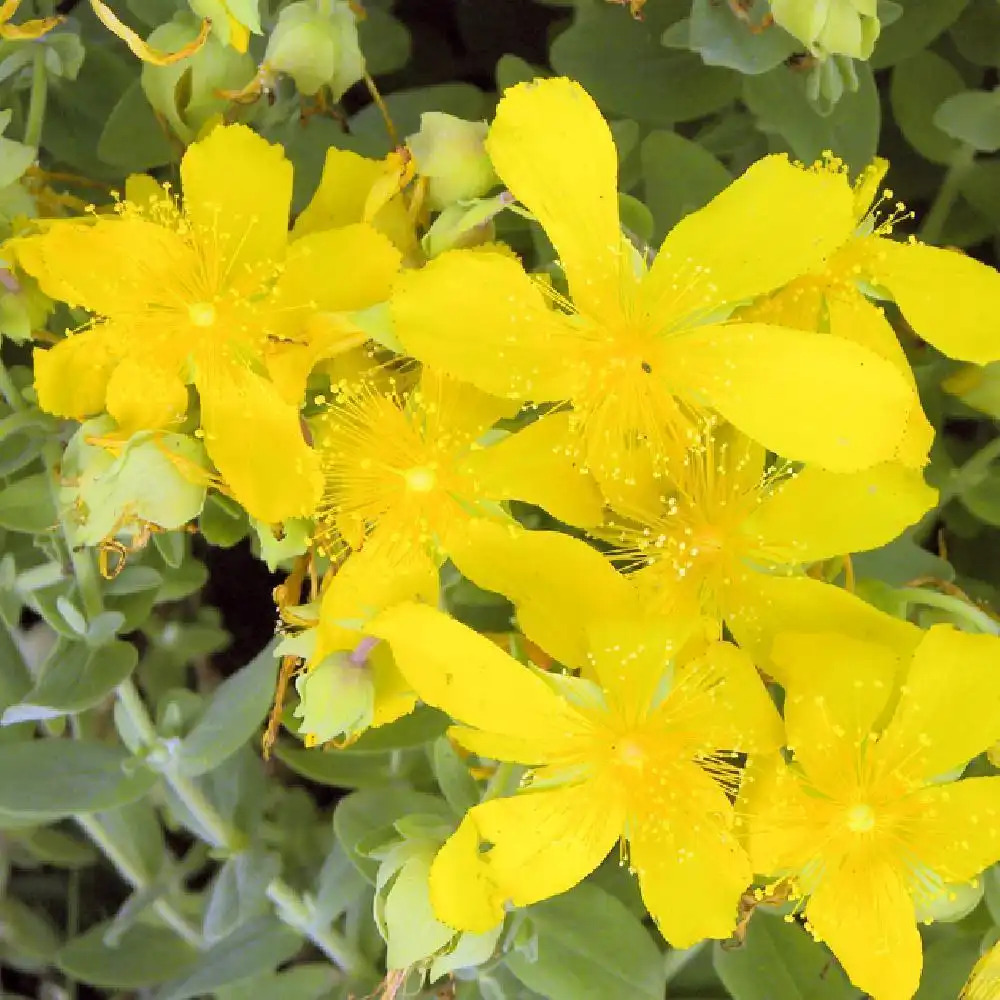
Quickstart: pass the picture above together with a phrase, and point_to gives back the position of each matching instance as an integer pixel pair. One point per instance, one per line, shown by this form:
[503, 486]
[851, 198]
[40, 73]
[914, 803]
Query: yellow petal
[237, 191]
[141, 396]
[455, 669]
[367, 583]
[949, 710]
[145, 52]
[950, 300]
[769, 226]
[864, 913]
[394, 697]
[837, 690]
[853, 317]
[535, 465]
[110, 266]
[956, 833]
[479, 318]
[551, 146]
[761, 606]
[71, 379]
[558, 584]
[342, 197]
[255, 440]
[818, 514]
[694, 858]
[338, 270]
[809, 397]
[29, 29]
[543, 843]
[454, 414]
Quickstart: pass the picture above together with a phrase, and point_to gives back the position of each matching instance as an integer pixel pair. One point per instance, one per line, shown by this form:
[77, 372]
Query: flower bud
[153, 478]
[232, 20]
[831, 27]
[187, 93]
[451, 154]
[316, 43]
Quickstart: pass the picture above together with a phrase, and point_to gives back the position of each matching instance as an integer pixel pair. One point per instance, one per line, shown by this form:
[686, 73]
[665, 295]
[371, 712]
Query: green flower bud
[154, 479]
[451, 154]
[337, 698]
[955, 901]
[829, 27]
[232, 20]
[316, 43]
[464, 226]
[292, 541]
[186, 93]
[414, 937]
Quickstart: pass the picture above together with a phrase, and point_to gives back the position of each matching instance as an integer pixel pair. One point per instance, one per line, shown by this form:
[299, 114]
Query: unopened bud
[451, 153]
[315, 42]
[831, 27]
[232, 20]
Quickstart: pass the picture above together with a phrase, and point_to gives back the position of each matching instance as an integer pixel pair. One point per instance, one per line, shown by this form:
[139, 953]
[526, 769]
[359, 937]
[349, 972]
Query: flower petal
[255, 440]
[863, 910]
[558, 584]
[838, 688]
[237, 192]
[145, 397]
[957, 831]
[338, 270]
[760, 607]
[552, 147]
[961, 323]
[524, 849]
[71, 379]
[455, 669]
[818, 514]
[454, 414]
[478, 317]
[949, 710]
[769, 226]
[535, 465]
[109, 267]
[692, 857]
[810, 397]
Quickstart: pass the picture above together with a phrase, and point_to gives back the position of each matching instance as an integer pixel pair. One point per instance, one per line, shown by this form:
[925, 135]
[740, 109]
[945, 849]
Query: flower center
[631, 754]
[201, 313]
[860, 818]
[420, 479]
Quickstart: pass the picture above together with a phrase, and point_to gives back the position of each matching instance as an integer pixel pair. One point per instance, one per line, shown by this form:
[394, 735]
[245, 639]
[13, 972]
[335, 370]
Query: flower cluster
[708, 432]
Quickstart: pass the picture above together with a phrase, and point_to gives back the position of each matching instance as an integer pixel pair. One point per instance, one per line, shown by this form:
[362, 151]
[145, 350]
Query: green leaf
[237, 708]
[919, 86]
[851, 130]
[338, 886]
[981, 189]
[51, 778]
[780, 961]
[623, 66]
[972, 117]
[143, 956]
[948, 962]
[513, 69]
[135, 831]
[589, 948]
[256, 947]
[132, 138]
[900, 561]
[976, 33]
[420, 726]
[336, 768]
[239, 892]
[309, 981]
[55, 847]
[75, 677]
[679, 176]
[384, 41]
[983, 498]
[723, 39]
[27, 505]
[223, 522]
[453, 778]
[921, 23]
[27, 931]
[362, 813]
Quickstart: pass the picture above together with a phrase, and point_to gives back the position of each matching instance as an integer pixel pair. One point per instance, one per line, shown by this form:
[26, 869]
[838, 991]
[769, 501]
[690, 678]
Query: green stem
[37, 100]
[935, 220]
[954, 605]
[93, 829]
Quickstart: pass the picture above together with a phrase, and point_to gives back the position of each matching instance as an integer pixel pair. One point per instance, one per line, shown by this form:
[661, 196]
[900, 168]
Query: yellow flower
[641, 350]
[730, 534]
[984, 983]
[647, 757]
[949, 299]
[28, 30]
[195, 293]
[409, 469]
[866, 818]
